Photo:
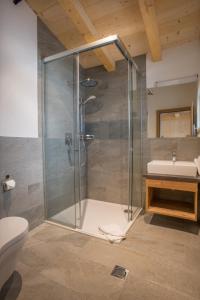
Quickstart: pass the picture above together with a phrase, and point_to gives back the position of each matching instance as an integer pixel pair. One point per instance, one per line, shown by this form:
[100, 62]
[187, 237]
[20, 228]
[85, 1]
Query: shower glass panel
[60, 140]
[135, 142]
[92, 137]
[106, 118]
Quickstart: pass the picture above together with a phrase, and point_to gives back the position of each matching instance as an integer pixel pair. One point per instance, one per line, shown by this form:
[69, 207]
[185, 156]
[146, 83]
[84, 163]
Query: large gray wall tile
[107, 119]
[22, 159]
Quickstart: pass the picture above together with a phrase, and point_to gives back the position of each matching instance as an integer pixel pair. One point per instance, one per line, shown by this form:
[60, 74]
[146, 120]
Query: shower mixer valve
[68, 139]
[87, 137]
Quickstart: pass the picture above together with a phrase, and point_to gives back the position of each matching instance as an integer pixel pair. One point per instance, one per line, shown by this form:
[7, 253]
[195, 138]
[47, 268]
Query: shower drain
[119, 272]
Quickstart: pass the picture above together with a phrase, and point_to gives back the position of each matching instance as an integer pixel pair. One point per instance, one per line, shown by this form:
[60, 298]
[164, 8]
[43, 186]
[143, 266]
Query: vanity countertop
[172, 177]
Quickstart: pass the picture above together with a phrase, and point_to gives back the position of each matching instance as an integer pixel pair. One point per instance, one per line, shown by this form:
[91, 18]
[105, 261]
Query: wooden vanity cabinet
[180, 209]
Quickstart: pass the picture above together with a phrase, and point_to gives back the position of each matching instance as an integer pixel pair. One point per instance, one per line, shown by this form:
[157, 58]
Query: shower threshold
[97, 213]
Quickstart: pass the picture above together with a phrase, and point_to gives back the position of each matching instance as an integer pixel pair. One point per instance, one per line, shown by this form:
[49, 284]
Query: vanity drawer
[172, 185]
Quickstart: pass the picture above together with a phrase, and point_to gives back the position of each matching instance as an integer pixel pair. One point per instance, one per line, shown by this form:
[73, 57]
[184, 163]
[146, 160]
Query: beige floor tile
[137, 289]
[43, 289]
[163, 262]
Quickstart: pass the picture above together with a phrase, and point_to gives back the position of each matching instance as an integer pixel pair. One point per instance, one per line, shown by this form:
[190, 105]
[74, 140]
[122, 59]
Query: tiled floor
[161, 254]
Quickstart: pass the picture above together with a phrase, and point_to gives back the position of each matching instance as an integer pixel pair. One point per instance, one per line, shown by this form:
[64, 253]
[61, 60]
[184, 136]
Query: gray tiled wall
[22, 159]
[186, 148]
[107, 119]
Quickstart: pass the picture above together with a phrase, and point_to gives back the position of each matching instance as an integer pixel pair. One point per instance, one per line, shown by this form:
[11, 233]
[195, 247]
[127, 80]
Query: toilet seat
[12, 230]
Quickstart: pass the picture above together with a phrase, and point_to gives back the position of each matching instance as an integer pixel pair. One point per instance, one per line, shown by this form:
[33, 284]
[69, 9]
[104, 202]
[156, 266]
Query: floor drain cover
[119, 272]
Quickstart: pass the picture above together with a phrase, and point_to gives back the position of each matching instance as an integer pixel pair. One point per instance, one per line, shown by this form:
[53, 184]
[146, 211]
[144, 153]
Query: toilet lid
[12, 229]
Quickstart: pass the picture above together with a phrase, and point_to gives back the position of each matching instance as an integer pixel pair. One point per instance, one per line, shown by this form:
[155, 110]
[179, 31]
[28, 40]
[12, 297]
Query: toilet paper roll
[9, 184]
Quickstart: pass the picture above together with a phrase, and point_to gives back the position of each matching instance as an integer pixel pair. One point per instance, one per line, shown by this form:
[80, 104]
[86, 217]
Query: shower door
[61, 141]
[108, 167]
[135, 142]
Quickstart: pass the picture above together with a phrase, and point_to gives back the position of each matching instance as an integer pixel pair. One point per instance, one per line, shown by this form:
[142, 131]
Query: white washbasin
[168, 167]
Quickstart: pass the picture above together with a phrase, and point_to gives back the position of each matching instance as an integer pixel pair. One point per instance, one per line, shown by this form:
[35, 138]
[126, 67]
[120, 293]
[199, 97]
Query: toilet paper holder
[8, 183]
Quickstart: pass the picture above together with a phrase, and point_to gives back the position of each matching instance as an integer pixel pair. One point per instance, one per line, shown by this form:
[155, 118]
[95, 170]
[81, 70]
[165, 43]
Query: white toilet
[13, 233]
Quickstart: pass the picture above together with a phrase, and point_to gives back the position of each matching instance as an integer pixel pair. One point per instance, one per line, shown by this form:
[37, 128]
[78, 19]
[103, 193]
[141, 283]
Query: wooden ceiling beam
[80, 19]
[178, 22]
[148, 12]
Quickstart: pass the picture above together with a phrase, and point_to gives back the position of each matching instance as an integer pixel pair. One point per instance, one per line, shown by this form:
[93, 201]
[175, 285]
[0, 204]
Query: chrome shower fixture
[90, 98]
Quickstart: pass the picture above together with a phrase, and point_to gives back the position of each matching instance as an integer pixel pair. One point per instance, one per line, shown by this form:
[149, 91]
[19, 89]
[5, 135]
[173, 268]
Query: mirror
[173, 109]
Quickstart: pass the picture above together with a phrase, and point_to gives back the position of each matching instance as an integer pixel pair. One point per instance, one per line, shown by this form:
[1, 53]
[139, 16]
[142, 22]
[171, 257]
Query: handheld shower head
[90, 98]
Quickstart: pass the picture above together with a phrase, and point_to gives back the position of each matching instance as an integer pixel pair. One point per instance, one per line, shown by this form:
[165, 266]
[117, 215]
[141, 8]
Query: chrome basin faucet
[174, 156]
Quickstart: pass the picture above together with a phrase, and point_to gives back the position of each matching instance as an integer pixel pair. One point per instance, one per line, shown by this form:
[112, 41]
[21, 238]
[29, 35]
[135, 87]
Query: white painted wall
[176, 62]
[18, 70]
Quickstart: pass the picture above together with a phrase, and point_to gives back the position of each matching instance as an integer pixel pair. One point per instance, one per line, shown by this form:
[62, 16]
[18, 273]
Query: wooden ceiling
[143, 25]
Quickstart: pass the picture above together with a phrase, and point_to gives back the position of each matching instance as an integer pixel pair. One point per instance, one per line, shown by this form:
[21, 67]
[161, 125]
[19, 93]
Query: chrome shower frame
[113, 39]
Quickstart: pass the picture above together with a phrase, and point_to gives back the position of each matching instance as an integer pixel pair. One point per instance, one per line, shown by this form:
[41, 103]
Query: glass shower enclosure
[92, 138]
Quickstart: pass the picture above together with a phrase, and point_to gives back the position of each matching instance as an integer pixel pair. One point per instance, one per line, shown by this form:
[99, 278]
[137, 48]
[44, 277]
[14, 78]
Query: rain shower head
[89, 82]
